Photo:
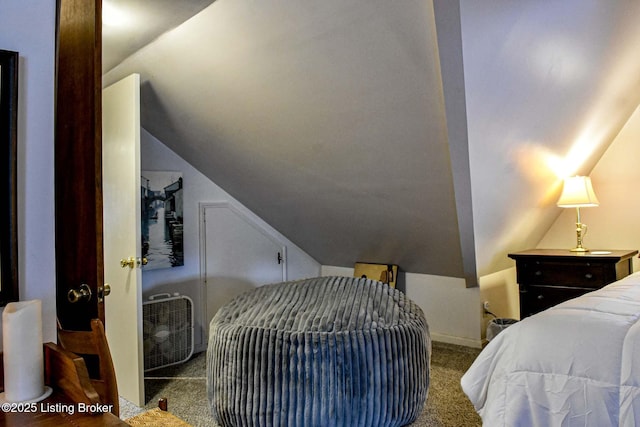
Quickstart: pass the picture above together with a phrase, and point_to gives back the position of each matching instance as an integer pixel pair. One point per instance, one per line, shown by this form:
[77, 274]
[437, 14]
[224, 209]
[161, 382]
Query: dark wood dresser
[547, 277]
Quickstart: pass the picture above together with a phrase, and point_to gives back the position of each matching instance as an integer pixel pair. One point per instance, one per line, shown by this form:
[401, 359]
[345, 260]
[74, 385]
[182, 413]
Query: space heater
[168, 330]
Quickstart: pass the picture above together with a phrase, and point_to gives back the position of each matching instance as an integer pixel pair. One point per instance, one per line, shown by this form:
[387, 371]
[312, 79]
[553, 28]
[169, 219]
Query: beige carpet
[155, 418]
[447, 405]
[185, 388]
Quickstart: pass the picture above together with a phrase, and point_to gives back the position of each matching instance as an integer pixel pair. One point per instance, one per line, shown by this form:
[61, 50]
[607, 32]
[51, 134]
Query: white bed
[576, 364]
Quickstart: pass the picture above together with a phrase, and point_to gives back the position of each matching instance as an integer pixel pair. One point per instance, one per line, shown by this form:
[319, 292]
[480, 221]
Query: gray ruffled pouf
[329, 351]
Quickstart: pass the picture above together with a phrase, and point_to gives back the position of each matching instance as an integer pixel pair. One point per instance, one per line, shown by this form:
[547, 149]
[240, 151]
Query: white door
[122, 233]
[238, 255]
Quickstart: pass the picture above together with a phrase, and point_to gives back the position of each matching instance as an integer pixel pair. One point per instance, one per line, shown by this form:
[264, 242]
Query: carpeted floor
[447, 405]
[185, 388]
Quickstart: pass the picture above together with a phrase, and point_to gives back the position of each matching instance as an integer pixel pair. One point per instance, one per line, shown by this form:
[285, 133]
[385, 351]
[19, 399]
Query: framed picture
[162, 219]
[8, 165]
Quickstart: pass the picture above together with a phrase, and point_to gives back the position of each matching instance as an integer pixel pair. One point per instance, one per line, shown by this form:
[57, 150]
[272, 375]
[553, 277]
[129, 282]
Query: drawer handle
[588, 276]
[540, 297]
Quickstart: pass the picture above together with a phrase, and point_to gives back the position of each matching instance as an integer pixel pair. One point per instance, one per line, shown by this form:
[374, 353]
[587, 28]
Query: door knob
[83, 293]
[132, 262]
[128, 262]
[103, 291]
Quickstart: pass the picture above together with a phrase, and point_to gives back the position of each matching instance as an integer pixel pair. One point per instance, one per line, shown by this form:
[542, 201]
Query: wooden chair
[92, 346]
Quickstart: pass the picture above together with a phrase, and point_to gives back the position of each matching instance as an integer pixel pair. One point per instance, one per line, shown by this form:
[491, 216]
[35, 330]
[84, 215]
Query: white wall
[501, 291]
[547, 90]
[613, 224]
[28, 27]
[452, 310]
[197, 188]
[535, 115]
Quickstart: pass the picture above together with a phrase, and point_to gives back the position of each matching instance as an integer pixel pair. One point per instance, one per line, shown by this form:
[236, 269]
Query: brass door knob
[128, 262]
[132, 262]
[103, 291]
[83, 293]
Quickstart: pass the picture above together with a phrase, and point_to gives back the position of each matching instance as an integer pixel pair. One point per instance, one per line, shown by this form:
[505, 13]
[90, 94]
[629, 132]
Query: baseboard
[450, 339]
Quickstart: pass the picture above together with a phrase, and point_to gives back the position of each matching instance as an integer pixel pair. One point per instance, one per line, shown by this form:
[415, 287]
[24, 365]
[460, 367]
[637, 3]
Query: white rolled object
[23, 353]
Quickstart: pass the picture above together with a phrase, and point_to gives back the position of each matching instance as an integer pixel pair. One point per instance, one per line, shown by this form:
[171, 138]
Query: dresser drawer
[582, 275]
[550, 276]
[534, 299]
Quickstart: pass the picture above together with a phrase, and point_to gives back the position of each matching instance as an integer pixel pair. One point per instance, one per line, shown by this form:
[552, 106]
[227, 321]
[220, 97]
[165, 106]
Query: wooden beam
[78, 160]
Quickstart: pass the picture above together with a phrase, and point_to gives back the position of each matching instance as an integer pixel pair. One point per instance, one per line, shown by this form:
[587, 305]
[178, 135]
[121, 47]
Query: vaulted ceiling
[405, 132]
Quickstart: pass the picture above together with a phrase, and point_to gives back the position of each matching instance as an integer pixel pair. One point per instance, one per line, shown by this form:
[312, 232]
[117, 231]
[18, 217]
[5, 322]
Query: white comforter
[576, 364]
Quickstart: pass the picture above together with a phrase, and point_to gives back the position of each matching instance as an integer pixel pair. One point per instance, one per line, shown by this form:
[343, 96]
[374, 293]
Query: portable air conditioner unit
[168, 330]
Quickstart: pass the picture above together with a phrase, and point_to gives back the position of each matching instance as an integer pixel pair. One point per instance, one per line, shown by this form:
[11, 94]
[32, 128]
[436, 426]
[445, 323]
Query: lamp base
[579, 249]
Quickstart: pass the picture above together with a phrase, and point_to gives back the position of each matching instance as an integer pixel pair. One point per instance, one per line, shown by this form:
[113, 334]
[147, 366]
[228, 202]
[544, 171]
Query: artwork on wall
[161, 207]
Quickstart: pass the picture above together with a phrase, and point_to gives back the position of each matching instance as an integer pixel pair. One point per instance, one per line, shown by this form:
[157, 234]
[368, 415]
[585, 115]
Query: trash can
[497, 325]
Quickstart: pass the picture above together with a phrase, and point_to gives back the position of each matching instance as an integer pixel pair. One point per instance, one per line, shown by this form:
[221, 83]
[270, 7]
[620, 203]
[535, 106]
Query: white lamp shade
[577, 192]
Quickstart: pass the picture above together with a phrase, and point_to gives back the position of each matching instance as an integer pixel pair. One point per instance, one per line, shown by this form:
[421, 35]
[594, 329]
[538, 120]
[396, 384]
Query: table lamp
[576, 193]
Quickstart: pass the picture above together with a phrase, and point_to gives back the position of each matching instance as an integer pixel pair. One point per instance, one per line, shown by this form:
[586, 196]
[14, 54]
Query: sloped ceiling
[344, 123]
[327, 119]
[132, 24]
[548, 87]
